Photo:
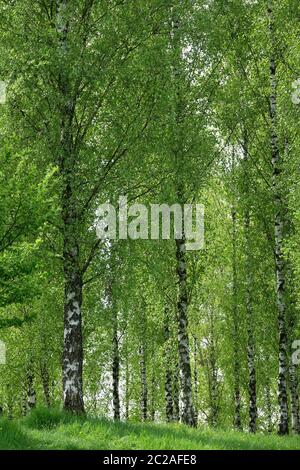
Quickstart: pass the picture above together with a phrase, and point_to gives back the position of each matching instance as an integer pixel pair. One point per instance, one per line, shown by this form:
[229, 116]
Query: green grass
[53, 429]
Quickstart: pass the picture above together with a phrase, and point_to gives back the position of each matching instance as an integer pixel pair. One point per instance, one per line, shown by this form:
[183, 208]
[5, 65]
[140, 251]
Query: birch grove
[151, 102]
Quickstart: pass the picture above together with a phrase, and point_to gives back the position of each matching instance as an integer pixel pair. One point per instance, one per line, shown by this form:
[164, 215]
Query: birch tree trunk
[250, 333]
[213, 373]
[278, 232]
[187, 412]
[195, 374]
[269, 408]
[236, 360]
[113, 315]
[24, 407]
[214, 395]
[249, 301]
[45, 383]
[116, 367]
[294, 385]
[31, 394]
[292, 326]
[168, 371]
[73, 349]
[144, 387]
[126, 383]
[153, 397]
[10, 403]
[293, 368]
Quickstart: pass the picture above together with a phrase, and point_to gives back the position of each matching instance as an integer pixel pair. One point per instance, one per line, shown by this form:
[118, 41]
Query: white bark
[187, 412]
[73, 348]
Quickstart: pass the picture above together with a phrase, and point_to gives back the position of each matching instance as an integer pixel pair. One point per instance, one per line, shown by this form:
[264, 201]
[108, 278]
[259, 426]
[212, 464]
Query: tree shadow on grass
[14, 437]
[184, 438]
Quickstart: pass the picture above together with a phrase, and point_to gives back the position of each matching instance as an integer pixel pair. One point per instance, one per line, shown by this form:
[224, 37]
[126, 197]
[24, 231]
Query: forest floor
[44, 429]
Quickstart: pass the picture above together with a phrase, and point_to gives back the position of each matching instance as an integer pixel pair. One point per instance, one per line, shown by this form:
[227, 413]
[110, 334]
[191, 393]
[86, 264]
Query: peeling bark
[187, 412]
[73, 349]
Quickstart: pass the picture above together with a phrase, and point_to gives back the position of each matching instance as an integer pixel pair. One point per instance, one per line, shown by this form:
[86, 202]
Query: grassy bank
[53, 429]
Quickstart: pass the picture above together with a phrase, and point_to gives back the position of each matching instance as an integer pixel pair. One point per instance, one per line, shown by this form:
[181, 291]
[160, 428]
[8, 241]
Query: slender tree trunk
[127, 384]
[152, 406]
[249, 300]
[46, 383]
[187, 412]
[268, 407]
[168, 395]
[73, 349]
[214, 396]
[144, 387]
[236, 359]
[24, 403]
[278, 231]
[195, 375]
[187, 408]
[292, 327]
[168, 370]
[31, 394]
[213, 374]
[116, 369]
[293, 379]
[250, 333]
[10, 403]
